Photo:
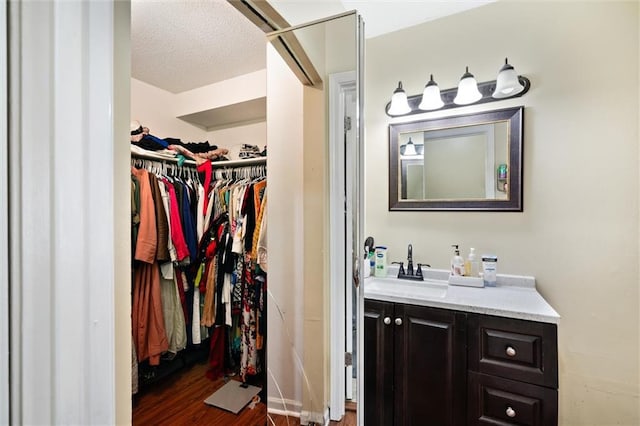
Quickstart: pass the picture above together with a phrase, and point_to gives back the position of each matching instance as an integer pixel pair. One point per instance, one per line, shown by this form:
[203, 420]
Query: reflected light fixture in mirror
[431, 98]
[408, 149]
[399, 103]
[468, 92]
[507, 85]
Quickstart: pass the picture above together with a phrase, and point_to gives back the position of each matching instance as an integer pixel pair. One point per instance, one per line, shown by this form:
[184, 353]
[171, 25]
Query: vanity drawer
[498, 401]
[514, 349]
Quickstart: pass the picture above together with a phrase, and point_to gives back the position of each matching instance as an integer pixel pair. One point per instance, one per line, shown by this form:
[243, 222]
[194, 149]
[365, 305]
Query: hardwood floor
[179, 400]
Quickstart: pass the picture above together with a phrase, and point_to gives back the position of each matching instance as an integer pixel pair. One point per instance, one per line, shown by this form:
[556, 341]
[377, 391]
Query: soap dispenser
[457, 262]
[472, 264]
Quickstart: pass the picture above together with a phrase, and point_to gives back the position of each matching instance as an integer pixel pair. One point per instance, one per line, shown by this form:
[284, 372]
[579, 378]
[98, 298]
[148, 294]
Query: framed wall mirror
[466, 162]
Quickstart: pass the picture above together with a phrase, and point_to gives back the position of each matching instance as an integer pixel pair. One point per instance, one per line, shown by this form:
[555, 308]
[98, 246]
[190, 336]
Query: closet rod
[215, 164]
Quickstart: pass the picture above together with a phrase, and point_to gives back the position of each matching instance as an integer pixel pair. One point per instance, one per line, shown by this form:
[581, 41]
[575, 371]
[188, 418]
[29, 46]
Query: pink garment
[177, 235]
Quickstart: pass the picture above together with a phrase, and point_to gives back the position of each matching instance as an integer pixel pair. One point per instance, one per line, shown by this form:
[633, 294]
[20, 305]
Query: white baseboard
[286, 407]
[307, 417]
[291, 408]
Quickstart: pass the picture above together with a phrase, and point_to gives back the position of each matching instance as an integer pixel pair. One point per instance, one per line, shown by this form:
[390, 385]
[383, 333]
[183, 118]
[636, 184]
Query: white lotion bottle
[457, 262]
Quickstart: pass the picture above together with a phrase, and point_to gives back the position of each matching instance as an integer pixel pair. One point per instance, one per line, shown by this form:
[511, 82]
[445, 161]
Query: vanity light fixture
[399, 103]
[508, 85]
[431, 98]
[468, 92]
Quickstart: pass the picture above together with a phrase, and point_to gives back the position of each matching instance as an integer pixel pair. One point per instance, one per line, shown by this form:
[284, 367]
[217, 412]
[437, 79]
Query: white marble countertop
[513, 297]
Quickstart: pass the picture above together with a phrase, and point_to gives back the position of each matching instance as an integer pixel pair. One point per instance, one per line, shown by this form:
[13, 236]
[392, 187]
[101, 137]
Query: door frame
[339, 83]
[4, 222]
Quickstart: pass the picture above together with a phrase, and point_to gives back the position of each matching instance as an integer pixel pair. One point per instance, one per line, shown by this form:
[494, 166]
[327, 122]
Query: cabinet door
[430, 366]
[378, 363]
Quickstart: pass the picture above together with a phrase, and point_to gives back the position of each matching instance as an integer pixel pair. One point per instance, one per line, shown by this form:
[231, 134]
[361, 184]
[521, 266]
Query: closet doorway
[198, 76]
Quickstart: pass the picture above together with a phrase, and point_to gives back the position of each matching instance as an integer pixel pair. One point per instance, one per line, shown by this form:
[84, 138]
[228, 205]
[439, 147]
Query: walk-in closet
[198, 215]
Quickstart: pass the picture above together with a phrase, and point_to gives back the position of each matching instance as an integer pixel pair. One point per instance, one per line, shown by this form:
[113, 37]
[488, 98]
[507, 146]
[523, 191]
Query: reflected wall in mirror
[466, 162]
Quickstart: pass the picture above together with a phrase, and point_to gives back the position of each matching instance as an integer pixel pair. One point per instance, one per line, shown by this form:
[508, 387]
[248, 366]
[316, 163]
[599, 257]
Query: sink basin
[432, 289]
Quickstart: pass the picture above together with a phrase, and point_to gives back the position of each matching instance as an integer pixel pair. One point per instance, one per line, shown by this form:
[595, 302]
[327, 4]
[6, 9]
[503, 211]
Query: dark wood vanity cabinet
[513, 372]
[428, 366]
[415, 365]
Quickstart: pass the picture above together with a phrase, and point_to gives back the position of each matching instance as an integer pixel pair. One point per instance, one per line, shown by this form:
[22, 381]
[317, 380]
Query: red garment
[206, 168]
[183, 297]
[216, 354]
[177, 234]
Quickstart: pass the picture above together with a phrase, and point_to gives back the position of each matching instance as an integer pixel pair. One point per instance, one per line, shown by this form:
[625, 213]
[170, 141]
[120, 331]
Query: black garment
[196, 147]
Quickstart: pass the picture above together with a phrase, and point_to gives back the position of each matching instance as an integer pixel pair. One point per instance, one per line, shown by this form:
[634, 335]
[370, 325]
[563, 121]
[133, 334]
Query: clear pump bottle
[472, 264]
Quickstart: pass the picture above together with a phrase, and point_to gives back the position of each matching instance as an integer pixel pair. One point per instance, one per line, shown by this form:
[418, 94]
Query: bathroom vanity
[446, 355]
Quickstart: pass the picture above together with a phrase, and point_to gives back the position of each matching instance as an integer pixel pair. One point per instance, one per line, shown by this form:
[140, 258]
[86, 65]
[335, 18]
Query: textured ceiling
[178, 45]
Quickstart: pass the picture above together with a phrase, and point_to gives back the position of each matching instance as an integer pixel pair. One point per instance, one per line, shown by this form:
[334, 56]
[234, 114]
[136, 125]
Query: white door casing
[339, 84]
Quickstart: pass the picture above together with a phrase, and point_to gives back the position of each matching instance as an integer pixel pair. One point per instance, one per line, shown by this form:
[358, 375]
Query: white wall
[578, 234]
[156, 109]
[235, 90]
[285, 236]
[232, 138]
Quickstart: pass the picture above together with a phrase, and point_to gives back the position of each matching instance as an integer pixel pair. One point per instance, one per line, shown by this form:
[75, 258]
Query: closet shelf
[225, 163]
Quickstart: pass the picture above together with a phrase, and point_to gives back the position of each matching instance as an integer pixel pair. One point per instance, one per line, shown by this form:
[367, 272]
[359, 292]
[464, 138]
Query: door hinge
[348, 359]
[347, 124]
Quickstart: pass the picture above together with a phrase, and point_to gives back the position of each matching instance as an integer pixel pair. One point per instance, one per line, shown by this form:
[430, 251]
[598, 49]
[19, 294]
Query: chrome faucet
[410, 274]
[410, 260]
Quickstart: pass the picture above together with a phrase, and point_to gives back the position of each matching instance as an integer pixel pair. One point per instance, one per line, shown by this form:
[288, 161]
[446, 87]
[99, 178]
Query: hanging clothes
[199, 245]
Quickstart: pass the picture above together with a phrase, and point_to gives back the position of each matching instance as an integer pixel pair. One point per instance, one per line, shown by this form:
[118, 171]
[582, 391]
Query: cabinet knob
[387, 320]
[398, 321]
[511, 412]
[511, 351]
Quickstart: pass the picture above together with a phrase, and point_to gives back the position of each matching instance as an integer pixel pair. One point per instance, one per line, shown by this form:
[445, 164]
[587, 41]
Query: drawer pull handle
[387, 320]
[398, 321]
[511, 351]
[511, 412]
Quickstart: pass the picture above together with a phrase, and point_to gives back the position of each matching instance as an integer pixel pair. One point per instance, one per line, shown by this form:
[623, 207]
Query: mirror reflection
[457, 163]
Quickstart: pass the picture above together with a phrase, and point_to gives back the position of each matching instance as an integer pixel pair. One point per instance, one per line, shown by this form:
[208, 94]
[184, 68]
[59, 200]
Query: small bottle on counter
[472, 264]
[489, 270]
[457, 262]
[381, 261]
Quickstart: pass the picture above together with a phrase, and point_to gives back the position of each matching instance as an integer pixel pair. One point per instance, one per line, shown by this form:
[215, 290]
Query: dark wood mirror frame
[515, 118]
